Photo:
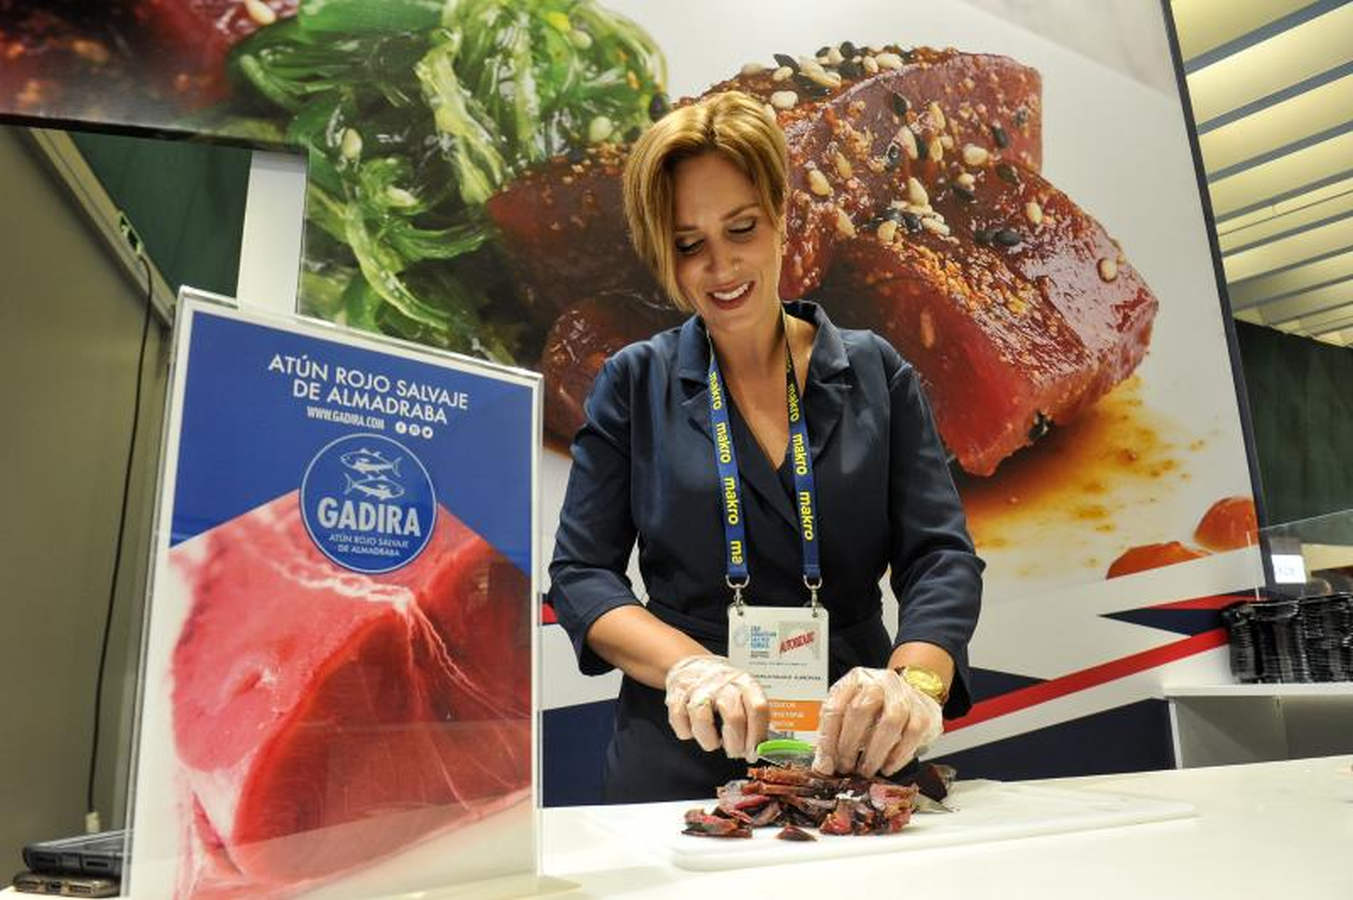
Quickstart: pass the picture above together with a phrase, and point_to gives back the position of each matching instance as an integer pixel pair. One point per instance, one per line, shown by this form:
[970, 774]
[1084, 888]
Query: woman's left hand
[873, 721]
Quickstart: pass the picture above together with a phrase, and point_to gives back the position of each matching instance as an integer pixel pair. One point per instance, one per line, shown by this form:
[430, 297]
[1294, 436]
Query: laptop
[97, 855]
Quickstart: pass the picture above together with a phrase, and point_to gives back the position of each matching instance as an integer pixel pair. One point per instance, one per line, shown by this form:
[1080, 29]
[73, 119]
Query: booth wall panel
[1303, 421]
[185, 200]
[70, 323]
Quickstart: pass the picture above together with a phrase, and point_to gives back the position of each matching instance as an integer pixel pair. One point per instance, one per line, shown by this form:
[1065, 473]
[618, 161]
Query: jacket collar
[824, 397]
[829, 353]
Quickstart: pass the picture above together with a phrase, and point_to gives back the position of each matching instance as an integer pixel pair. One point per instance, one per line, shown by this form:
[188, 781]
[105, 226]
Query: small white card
[785, 649]
[1289, 568]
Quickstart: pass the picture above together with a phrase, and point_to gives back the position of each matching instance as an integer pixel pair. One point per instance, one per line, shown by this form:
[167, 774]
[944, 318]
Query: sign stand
[337, 688]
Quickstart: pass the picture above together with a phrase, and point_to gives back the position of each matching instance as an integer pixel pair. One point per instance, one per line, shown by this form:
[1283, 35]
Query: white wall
[274, 224]
[1122, 34]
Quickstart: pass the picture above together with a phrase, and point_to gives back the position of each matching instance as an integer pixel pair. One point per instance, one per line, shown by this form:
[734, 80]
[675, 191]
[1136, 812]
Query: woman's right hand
[698, 687]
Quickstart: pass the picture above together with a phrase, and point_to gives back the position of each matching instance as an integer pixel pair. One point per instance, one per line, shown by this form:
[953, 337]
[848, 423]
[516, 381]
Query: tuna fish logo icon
[372, 468]
[378, 487]
[368, 503]
[370, 462]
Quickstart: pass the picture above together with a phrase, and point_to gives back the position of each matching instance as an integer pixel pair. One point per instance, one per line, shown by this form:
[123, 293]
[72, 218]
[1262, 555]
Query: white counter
[1281, 830]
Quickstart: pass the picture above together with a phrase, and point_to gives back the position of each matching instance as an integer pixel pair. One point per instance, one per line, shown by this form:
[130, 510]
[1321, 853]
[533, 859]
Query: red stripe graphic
[1088, 678]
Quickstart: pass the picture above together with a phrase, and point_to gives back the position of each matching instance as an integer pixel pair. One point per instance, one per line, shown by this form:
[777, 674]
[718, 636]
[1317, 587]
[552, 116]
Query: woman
[705, 193]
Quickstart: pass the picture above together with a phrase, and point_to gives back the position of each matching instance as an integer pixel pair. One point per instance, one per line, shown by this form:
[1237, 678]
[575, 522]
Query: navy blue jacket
[643, 467]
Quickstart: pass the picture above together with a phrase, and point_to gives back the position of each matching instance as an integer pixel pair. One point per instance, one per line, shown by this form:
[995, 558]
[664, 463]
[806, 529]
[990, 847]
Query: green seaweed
[413, 113]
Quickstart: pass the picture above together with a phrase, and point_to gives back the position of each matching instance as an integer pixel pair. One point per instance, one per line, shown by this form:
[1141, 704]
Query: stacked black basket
[1327, 633]
[1286, 640]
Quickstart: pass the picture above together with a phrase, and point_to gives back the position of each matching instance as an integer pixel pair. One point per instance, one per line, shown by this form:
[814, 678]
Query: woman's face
[727, 250]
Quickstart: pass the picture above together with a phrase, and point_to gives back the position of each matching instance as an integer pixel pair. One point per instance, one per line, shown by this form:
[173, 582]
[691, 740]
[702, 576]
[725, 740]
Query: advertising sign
[337, 686]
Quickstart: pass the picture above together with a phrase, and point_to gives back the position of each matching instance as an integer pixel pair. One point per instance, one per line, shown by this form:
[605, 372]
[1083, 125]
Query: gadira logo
[368, 503]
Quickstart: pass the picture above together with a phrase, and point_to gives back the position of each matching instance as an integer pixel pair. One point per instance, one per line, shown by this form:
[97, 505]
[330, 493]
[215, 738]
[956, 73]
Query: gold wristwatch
[925, 681]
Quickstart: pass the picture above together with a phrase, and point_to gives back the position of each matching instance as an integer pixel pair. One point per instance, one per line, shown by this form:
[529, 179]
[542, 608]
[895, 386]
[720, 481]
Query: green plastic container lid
[785, 750]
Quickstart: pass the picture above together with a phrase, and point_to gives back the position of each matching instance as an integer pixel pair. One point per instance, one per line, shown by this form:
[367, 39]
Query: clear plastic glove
[700, 686]
[874, 721]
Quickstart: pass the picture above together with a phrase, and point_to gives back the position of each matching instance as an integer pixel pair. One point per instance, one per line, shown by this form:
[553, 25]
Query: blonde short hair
[732, 124]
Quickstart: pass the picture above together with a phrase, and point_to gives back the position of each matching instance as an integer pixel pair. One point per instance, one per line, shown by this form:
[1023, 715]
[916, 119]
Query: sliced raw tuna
[1015, 305]
[324, 718]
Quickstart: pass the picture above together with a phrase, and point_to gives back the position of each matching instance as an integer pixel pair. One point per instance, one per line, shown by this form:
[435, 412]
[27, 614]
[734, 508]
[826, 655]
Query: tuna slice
[582, 338]
[192, 38]
[323, 718]
[846, 147]
[1016, 306]
[140, 62]
[71, 61]
[563, 224]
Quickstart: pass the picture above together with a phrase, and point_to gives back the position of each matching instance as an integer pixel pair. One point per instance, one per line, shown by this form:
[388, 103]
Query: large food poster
[1024, 224]
[337, 691]
[1026, 227]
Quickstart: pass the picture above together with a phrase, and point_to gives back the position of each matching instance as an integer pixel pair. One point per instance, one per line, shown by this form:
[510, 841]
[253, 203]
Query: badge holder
[786, 649]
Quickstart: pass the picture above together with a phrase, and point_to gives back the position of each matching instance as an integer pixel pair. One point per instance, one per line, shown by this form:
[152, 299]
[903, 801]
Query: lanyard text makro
[737, 575]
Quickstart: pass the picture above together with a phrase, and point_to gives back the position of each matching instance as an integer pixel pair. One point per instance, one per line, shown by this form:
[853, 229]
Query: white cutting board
[985, 811]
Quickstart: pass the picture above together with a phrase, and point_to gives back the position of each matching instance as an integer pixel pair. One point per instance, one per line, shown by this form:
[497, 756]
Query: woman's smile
[732, 297]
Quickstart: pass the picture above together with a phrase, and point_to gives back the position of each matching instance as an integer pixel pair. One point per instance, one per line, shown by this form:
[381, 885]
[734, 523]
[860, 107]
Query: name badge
[785, 649]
